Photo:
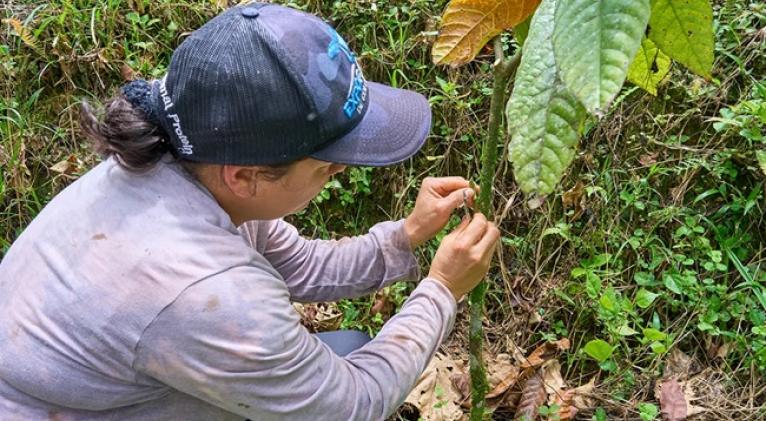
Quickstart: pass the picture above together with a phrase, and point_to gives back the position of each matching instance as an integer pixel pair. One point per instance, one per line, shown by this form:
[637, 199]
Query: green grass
[664, 248]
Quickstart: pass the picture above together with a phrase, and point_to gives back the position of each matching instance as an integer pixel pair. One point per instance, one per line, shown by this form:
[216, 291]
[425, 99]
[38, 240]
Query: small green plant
[550, 413]
[747, 118]
[599, 415]
[648, 411]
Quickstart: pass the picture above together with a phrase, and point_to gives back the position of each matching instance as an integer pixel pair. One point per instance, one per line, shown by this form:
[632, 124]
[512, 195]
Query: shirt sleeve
[328, 270]
[234, 340]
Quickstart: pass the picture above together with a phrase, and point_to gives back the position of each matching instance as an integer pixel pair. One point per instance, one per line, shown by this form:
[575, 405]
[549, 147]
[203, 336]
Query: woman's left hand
[437, 198]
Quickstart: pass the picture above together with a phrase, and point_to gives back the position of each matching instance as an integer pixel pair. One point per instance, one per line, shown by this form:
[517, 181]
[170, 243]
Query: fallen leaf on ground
[573, 400]
[545, 352]
[552, 380]
[382, 305]
[574, 199]
[673, 402]
[504, 384]
[433, 395]
[127, 72]
[677, 364]
[320, 317]
[716, 349]
[532, 397]
[461, 381]
[648, 159]
[66, 167]
[502, 375]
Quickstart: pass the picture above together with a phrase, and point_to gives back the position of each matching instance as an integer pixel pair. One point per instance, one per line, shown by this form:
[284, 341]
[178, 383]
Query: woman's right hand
[463, 257]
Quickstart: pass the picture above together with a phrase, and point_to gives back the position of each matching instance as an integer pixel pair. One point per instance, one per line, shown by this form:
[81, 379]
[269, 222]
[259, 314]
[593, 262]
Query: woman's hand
[463, 257]
[437, 198]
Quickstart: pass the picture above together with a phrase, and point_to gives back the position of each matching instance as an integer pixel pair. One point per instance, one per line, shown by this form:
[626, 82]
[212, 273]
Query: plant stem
[503, 70]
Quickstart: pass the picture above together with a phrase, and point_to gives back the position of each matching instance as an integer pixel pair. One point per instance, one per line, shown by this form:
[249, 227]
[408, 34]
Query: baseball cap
[264, 84]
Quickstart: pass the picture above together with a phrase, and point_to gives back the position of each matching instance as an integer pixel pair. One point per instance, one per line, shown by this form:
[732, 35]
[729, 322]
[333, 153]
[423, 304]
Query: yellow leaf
[23, 33]
[649, 67]
[467, 25]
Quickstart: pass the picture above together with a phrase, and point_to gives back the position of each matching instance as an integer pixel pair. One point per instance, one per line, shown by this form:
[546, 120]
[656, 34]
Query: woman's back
[93, 270]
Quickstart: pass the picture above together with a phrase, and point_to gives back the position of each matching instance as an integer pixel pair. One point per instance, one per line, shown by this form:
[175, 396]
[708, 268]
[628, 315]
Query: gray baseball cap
[266, 84]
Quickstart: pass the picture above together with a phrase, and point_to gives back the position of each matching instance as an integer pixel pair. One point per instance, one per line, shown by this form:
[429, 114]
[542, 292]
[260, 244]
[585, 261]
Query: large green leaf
[594, 42]
[544, 120]
[683, 29]
[649, 67]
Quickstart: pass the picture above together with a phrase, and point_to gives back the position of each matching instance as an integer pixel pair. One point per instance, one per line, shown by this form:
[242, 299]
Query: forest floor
[653, 246]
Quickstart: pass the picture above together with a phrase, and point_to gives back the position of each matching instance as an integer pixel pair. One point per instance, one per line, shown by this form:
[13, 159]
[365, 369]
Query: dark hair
[125, 132]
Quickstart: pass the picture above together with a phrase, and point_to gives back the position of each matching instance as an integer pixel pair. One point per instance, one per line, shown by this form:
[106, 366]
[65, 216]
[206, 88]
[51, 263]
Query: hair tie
[139, 93]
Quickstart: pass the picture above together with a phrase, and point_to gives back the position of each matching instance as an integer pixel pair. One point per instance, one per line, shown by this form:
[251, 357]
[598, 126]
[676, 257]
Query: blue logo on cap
[357, 92]
[338, 45]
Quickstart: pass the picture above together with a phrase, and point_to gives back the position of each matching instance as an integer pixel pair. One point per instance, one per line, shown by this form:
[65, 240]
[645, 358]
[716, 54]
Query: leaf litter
[519, 385]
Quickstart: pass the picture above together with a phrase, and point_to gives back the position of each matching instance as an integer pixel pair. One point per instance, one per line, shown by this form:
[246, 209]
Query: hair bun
[139, 93]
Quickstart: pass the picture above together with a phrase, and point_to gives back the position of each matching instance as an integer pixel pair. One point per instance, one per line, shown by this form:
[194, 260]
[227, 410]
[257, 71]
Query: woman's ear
[241, 181]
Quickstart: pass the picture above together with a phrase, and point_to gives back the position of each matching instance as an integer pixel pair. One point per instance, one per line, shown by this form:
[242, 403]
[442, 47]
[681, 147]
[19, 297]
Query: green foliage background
[663, 249]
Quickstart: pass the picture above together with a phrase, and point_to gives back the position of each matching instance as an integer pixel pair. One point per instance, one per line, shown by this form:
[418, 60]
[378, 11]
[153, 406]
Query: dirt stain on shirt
[212, 304]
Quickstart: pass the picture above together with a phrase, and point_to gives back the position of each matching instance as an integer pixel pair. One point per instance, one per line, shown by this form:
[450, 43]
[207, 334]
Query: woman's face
[295, 190]
[246, 195]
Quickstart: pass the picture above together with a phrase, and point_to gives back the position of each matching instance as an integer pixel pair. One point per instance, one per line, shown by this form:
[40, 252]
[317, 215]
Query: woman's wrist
[413, 232]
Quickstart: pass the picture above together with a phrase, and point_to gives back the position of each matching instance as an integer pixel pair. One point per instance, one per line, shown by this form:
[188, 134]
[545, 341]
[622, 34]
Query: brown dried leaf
[433, 395]
[573, 400]
[673, 402]
[545, 352]
[382, 305]
[532, 396]
[574, 199]
[571, 197]
[567, 411]
[320, 317]
[65, 167]
[501, 384]
[716, 349]
[467, 25]
[127, 72]
[582, 398]
[551, 372]
[649, 159]
[461, 381]
[677, 364]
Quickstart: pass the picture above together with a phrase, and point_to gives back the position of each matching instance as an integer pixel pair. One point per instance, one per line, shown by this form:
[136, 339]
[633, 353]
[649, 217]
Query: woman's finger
[487, 243]
[456, 199]
[446, 185]
[476, 229]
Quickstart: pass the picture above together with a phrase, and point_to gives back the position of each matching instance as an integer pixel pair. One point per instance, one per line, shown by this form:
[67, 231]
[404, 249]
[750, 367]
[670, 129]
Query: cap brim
[393, 129]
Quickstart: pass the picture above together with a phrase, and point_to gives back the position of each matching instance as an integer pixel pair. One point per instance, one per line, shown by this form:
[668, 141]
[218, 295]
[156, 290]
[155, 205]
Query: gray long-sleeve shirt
[134, 297]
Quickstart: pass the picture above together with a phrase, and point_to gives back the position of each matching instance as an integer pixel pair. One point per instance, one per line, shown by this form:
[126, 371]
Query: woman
[158, 285]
